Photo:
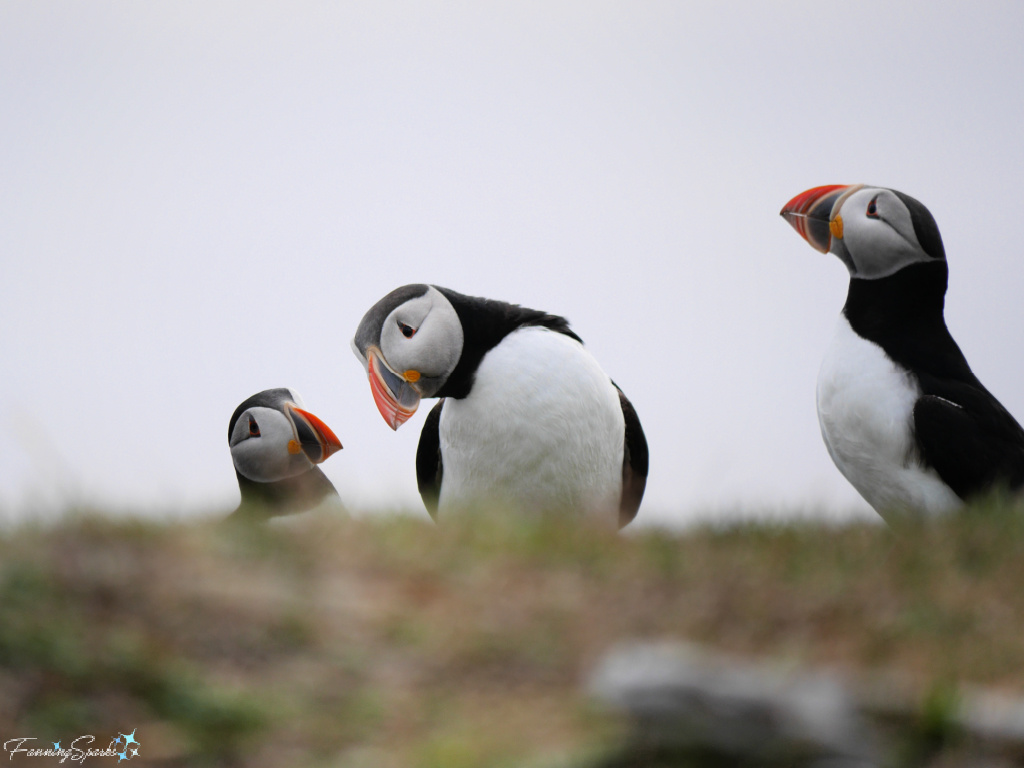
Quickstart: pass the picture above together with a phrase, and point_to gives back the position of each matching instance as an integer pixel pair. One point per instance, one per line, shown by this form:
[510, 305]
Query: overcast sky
[200, 200]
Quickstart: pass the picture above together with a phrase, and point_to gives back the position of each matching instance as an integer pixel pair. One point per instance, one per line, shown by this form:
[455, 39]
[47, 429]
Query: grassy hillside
[392, 642]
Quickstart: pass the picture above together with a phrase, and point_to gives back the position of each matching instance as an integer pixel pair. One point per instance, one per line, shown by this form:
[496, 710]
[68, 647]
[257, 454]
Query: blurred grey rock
[693, 707]
[685, 700]
[996, 719]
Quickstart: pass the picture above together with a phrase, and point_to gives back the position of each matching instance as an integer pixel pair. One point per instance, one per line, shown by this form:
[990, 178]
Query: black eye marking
[254, 428]
[872, 212]
[407, 330]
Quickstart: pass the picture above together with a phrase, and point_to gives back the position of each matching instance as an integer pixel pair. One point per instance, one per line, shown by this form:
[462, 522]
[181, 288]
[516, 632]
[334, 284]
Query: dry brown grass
[391, 642]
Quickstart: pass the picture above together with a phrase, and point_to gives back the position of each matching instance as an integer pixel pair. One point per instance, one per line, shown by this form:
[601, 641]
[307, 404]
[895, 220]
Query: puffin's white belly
[865, 409]
[541, 432]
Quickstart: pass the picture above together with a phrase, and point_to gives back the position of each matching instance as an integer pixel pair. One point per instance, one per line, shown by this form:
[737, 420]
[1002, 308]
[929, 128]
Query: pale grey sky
[199, 200]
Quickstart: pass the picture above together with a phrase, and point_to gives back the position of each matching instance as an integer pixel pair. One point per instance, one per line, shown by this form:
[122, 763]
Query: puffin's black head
[875, 231]
[273, 438]
[409, 342]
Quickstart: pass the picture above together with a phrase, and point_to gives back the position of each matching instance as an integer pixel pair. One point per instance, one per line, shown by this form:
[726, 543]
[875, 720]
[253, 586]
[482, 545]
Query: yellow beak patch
[411, 375]
[836, 227]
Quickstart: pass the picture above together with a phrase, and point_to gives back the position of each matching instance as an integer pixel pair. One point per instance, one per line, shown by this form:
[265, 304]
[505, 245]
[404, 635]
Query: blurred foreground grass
[392, 642]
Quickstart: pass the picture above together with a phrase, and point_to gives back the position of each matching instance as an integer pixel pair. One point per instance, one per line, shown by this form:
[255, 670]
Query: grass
[392, 642]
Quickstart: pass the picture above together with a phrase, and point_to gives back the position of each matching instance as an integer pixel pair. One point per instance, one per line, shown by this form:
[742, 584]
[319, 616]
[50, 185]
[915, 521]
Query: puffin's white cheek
[256, 460]
[434, 350]
[263, 462]
[879, 251]
[399, 351]
[268, 458]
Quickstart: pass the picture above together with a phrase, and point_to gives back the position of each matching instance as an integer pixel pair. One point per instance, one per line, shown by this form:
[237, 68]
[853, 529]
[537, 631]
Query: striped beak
[315, 438]
[810, 213]
[397, 399]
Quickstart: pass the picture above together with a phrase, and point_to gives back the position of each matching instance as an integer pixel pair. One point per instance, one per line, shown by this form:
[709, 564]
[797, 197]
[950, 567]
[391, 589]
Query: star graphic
[121, 756]
[117, 740]
[135, 752]
[56, 745]
[129, 738]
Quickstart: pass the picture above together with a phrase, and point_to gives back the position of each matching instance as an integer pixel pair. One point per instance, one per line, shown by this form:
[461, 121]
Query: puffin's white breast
[541, 431]
[865, 409]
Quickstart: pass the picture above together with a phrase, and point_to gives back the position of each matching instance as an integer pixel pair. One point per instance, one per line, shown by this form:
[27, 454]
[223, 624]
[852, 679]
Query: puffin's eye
[407, 330]
[254, 428]
[872, 212]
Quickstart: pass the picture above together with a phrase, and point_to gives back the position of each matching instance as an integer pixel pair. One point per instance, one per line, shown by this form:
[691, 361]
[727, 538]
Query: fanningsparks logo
[123, 746]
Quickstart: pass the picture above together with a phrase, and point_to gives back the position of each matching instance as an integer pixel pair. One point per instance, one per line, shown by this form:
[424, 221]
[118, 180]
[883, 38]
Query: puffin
[904, 418]
[526, 421]
[276, 445]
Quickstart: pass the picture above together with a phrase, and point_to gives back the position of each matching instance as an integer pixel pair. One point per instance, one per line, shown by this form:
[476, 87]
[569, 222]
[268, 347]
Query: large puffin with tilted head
[276, 446]
[527, 419]
[903, 416]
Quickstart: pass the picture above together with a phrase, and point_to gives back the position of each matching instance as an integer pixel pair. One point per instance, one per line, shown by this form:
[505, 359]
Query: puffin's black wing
[634, 462]
[428, 460]
[969, 438]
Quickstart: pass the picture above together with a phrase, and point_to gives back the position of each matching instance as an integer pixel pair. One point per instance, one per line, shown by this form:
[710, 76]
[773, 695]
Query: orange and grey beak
[316, 439]
[396, 397]
[810, 213]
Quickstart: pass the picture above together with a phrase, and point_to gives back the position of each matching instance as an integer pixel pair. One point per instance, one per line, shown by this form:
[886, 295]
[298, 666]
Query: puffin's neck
[903, 314]
[914, 298]
[261, 501]
[485, 323]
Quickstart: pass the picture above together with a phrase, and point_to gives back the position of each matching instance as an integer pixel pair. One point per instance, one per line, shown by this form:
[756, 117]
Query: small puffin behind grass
[527, 421]
[903, 416]
[275, 446]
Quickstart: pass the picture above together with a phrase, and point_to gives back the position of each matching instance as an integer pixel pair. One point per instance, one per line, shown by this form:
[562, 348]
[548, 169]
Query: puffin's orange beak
[316, 439]
[397, 398]
[810, 213]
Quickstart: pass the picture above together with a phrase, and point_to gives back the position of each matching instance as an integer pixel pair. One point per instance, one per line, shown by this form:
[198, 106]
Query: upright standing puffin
[527, 419]
[275, 446]
[903, 417]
